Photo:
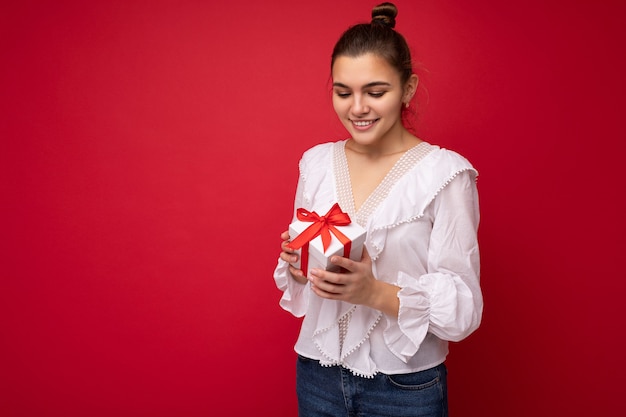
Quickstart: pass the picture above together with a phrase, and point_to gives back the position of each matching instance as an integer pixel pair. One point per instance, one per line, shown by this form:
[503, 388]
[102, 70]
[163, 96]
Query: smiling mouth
[364, 123]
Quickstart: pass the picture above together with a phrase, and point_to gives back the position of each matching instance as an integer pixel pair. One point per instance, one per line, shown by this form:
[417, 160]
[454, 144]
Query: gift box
[316, 238]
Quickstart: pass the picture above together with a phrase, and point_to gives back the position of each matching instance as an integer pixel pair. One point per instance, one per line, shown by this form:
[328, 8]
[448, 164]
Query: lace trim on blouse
[343, 328]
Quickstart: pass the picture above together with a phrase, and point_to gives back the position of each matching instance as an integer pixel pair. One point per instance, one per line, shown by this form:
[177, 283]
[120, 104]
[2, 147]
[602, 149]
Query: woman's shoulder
[446, 162]
[319, 154]
[321, 149]
[449, 158]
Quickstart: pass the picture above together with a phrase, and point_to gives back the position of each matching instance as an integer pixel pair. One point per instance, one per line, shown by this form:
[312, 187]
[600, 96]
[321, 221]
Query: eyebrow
[368, 85]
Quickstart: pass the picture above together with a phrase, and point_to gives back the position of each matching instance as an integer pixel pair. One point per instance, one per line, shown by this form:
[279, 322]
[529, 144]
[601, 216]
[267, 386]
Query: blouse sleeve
[295, 295]
[447, 300]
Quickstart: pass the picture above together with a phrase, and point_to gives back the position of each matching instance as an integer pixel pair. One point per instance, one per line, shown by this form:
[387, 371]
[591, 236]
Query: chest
[362, 184]
[366, 175]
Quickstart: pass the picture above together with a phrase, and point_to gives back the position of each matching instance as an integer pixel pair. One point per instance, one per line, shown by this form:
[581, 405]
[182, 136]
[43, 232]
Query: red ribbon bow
[322, 225]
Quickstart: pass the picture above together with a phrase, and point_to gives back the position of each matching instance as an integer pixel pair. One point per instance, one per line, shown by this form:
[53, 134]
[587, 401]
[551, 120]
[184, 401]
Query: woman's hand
[355, 284]
[288, 255]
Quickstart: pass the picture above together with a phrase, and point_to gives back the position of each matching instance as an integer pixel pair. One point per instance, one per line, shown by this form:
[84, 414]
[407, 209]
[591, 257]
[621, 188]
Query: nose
[359, 105]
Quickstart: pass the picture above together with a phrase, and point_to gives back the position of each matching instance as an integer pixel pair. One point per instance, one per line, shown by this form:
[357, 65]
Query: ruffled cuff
[295, 297]
[433, 303]
[405, 336]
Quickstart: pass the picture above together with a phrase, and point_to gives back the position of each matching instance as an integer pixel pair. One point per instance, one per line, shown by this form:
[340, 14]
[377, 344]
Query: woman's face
[368, 97]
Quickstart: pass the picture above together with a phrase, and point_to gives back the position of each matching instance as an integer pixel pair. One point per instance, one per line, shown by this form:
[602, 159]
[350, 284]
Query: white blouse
[421, 224]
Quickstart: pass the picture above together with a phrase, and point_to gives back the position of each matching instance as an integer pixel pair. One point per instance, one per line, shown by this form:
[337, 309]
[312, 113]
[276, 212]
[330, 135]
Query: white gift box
[320, 258]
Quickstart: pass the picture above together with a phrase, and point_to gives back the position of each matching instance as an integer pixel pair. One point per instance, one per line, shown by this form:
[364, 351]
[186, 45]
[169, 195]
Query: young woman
[375, 336]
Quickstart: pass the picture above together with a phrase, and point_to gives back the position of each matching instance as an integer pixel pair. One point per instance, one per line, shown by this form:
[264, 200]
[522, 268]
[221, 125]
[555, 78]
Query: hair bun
[385, 14]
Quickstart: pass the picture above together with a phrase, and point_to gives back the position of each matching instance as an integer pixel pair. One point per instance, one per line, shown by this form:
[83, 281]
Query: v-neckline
[343, 181]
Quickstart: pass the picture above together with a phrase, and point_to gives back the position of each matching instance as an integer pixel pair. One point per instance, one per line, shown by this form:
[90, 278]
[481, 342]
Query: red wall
[148, 163]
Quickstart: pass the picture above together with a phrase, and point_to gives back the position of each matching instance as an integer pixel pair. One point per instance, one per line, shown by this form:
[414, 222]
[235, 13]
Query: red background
[148, 164]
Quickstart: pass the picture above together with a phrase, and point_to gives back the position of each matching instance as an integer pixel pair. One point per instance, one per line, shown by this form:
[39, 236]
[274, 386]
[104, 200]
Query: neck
[387, 147]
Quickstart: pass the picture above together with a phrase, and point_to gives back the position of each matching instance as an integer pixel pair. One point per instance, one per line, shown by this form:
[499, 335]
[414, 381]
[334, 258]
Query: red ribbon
[322, 225]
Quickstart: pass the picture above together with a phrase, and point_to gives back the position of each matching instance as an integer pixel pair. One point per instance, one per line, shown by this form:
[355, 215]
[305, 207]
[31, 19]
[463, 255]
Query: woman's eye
[377, 94]
[342, 94]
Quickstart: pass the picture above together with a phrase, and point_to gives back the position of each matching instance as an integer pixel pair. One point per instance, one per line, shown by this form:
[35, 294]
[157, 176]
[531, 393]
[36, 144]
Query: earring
[407, 104]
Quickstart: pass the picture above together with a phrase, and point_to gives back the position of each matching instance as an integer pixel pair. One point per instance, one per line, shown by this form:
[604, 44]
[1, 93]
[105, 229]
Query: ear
[410, 87]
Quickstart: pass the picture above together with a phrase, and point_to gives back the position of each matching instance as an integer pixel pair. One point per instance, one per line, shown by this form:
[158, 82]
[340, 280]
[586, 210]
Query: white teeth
[365, 123]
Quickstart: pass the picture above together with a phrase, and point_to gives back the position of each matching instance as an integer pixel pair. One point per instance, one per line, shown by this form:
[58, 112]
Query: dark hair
[377, 37]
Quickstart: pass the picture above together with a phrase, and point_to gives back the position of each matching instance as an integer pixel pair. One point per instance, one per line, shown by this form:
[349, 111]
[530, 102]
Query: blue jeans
[335, 391]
